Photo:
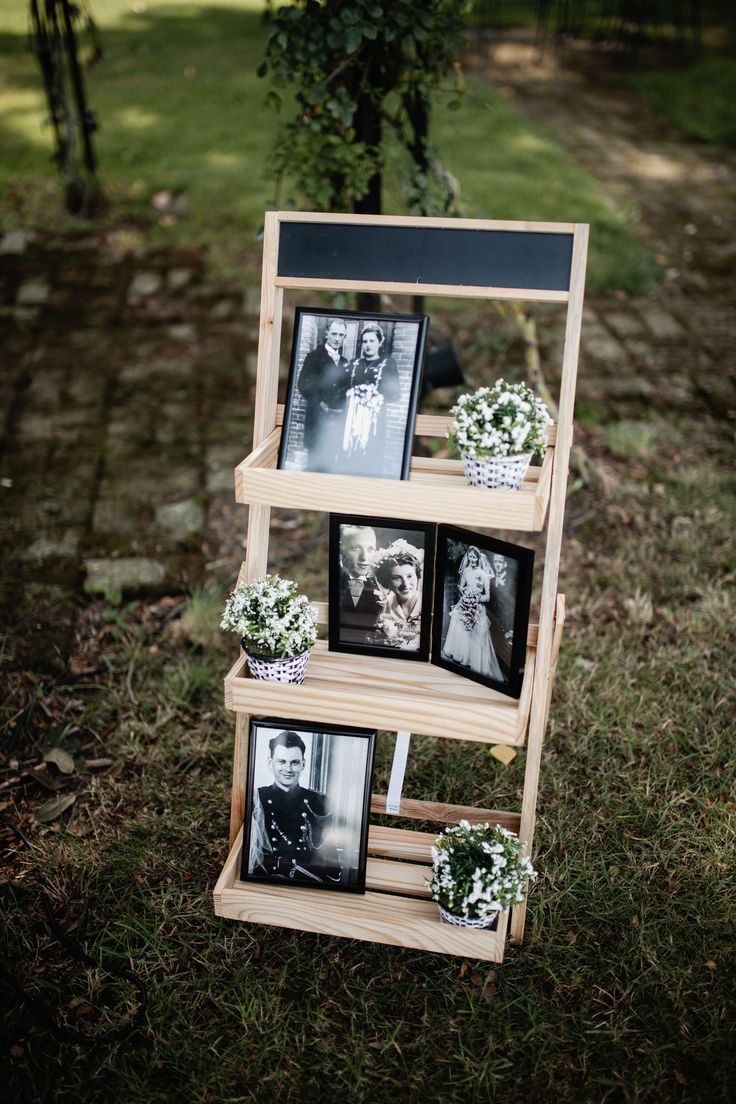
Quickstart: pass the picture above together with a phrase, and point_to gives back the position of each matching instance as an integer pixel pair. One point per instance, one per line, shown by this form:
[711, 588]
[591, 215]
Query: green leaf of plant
[353, 39]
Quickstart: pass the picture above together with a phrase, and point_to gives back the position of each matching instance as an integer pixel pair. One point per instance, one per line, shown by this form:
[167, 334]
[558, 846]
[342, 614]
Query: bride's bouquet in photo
[364, 405]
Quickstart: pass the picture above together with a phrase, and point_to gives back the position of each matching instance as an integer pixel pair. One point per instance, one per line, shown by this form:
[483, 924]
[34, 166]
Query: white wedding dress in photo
[468, 640]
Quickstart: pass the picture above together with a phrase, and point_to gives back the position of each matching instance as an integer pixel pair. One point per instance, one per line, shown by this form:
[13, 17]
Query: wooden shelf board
[441, 813]
[436, 491]
[395, 918]
[393, 694]
[427, 425]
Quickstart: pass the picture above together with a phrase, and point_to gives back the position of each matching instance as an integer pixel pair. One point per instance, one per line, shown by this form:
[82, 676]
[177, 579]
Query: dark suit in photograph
[322, 383]
[358, 616]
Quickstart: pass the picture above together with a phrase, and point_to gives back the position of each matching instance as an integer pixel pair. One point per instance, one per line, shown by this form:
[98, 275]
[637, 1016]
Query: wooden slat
[427, 425]
[240, 760]
[548, 602]
[398, 843]
[439, 222]
[394, 287]
[440, 497]
[544, 485]
[389, 694]
[376, 917]
[409, 879]
[266, 454]
[443, 813]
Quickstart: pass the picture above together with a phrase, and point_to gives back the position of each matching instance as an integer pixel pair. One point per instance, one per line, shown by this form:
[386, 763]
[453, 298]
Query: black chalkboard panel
[425, 255]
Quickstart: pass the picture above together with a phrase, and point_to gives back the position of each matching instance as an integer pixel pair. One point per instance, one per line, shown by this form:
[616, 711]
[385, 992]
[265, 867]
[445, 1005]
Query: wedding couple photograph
[352, 394]
[380, 591]
[468, 605]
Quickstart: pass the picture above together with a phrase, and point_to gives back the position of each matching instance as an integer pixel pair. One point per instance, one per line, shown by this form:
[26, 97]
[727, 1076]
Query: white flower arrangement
[478, 871]
[504, 420]
[271, 617]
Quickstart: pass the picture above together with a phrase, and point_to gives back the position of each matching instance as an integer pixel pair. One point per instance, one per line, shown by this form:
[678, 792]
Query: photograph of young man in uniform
[306, 819]
[291, 825]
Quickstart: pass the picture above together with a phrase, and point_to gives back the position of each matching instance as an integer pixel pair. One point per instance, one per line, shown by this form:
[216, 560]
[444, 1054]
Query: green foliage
[701, 99]
[478, 870]
[383, 57]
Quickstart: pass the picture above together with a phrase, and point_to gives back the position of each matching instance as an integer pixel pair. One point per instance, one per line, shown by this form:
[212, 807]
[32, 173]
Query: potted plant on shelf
[477, 872]
[497, 431]
[277, 627]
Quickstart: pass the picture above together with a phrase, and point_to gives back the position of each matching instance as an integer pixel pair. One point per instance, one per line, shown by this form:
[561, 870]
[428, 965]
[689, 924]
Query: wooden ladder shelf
[542, 262]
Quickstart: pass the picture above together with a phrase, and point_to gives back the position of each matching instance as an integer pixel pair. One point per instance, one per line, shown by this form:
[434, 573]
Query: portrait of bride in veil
[468, 639]
[481, 608]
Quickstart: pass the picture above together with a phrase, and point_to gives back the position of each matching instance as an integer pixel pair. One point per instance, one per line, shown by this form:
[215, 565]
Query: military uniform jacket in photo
[290, 836]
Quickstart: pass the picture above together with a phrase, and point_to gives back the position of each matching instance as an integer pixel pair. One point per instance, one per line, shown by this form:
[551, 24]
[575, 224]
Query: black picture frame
[285, 841]
[322, 397]
[381, 621]
[496, 659]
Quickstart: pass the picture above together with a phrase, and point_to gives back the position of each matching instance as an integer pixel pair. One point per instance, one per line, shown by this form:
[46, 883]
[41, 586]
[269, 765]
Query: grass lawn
[700, 98]
[181, 111]
[624, 988]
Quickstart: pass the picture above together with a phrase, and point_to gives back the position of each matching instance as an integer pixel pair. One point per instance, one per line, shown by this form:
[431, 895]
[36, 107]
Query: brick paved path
[674, 348]
[126, 388]
[126, 381]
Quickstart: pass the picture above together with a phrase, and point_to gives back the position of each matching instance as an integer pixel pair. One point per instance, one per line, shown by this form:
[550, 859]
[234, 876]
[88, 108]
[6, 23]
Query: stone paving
[126, 385]
[673, 348]
[126, 379]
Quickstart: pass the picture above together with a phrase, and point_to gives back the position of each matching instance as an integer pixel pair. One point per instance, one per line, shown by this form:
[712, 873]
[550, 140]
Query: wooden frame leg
[240, 765]
[531, 774]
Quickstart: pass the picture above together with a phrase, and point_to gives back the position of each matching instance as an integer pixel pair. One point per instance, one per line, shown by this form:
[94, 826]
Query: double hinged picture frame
[416, 591]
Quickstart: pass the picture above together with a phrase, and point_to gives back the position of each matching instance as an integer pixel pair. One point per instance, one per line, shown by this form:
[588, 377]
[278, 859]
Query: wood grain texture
[376, 917]
[436, 492]
[400, 843]
[443, 813]
[408, 879]
[388, 694]
[240, 763]
[548, 602]
[395, 287]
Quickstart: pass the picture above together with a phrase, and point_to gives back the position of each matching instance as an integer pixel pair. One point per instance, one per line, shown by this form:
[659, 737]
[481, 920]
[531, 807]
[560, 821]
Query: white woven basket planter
[498, 473]
[461, 921]
[276, 668]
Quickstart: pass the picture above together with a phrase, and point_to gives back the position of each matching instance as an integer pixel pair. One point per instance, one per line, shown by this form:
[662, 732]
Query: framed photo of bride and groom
[352, 395]
[422, 592]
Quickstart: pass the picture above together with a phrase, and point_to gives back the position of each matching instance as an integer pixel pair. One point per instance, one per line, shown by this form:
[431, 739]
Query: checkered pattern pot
[276, 668]
[462, 922]
[501, 472]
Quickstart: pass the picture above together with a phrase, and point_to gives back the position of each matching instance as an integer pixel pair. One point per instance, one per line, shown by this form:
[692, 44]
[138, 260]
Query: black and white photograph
[380, 586]
[307, 803]
[352, 395]
[481, 601]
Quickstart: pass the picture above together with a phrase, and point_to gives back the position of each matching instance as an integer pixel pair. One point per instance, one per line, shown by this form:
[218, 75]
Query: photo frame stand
[466, 258]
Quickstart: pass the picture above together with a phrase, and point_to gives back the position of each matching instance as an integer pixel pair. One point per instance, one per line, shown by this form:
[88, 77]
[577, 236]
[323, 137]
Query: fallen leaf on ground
[503, 753]
[61, 759]
[44, 779]
[55, 807]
